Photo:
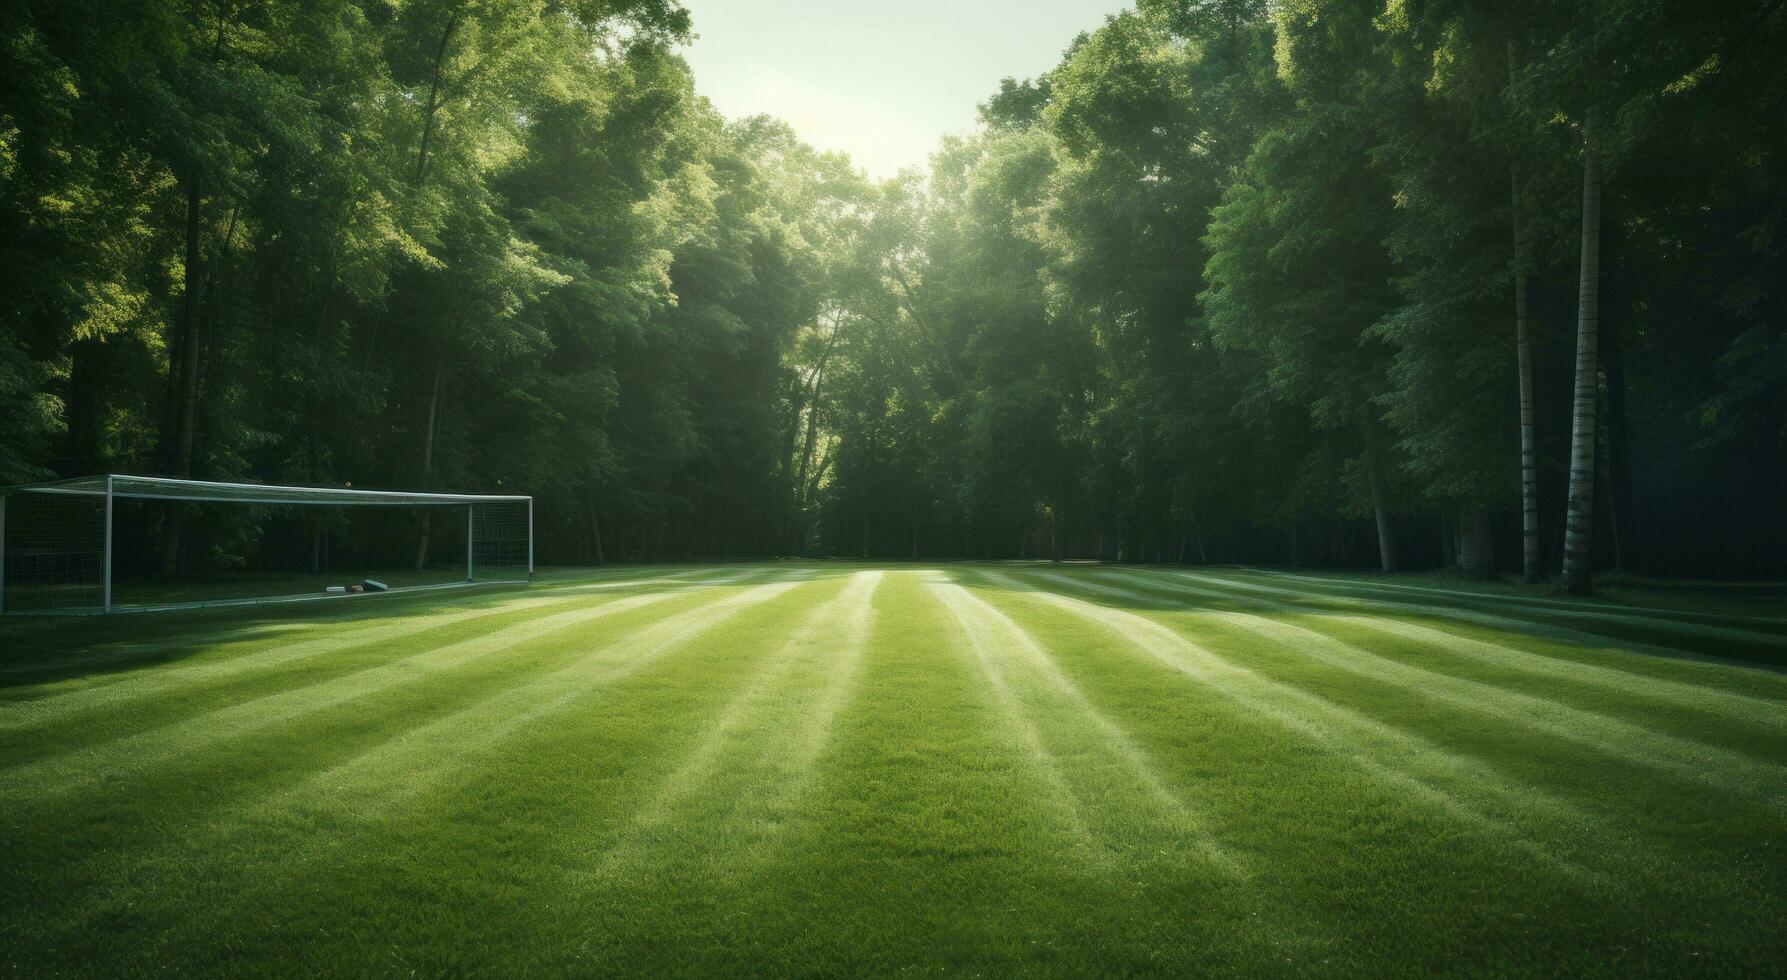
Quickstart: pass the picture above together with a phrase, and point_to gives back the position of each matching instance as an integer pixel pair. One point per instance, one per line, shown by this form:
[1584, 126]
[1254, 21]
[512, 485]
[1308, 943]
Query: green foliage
[1232, 281]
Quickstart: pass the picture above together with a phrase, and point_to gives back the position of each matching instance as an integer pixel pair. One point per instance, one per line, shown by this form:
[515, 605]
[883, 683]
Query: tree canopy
[1306, 281]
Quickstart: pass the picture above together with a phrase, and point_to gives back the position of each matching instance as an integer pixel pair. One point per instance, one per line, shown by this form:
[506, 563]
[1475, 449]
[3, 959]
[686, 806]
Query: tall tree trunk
[1476, 554]
[1386, 533]
[192, 335]
[1448, 538]
[186, 388]
[810, 442]
[1580, 512]
[422, 539]
[1532, 562]
[595, 533]
[429, 427]
[431, 108]
[1380, 500]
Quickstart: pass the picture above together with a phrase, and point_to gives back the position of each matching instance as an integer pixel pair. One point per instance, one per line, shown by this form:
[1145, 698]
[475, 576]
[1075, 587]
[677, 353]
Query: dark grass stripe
[1682, 670]
[1656, 634]
[1608, 709]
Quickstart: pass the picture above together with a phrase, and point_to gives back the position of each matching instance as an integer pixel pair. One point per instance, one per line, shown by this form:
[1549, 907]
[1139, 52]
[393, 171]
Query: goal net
[114, 543]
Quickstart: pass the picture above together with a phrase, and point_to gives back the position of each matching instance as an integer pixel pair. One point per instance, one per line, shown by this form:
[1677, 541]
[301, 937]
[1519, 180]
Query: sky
[882, 81]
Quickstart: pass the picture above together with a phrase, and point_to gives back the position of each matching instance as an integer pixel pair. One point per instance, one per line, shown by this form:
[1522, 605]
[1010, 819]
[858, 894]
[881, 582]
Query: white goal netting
[111, 543]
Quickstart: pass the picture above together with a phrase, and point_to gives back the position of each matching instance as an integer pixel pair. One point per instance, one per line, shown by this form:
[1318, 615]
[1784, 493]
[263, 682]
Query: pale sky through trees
[880, 81]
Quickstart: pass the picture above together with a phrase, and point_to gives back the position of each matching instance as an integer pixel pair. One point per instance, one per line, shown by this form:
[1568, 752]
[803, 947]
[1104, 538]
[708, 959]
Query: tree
[1584, 436]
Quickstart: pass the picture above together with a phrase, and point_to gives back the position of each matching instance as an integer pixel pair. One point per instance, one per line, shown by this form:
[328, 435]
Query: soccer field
[800, 768]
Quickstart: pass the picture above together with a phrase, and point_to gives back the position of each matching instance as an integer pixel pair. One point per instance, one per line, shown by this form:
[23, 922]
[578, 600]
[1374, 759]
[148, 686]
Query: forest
[1398, 284]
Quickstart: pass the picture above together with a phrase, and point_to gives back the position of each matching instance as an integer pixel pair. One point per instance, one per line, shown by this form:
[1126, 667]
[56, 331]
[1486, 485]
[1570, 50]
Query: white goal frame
[112, 487]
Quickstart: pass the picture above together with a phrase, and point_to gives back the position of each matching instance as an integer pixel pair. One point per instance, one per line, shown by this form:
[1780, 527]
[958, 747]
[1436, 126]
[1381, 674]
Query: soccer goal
[115, 543]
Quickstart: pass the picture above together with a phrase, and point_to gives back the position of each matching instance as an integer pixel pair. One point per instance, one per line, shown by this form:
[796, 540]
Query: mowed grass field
[841, 769]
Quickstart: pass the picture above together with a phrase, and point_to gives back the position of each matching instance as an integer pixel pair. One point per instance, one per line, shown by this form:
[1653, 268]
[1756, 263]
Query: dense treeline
[1311, 281]
[1428, 281]
[475, 244]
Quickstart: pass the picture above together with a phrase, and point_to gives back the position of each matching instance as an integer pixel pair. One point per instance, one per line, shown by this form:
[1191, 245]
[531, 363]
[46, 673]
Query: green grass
[226, 586]
[844, 769]
[130, 592]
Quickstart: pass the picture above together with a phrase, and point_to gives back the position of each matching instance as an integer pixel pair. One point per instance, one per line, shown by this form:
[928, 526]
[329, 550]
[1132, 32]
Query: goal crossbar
[106, 488]
[207, 491]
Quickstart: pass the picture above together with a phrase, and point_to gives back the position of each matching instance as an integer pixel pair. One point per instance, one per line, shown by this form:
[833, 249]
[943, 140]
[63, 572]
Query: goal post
[115, 542]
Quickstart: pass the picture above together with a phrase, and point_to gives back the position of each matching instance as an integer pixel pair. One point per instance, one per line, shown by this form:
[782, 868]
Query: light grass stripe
[372, 616]
[1395, 757]
[410, 763]
[416, 760]
[1067, 808]
[1684, 759]
[146, 751]
[696, 577]
[812, 733]
[1000, 644]
[150, 683]
[849, 609]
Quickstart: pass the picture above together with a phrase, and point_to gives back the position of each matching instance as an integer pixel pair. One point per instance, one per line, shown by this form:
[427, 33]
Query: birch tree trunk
[1532, 564]
[1580, 512]
[1386, 534]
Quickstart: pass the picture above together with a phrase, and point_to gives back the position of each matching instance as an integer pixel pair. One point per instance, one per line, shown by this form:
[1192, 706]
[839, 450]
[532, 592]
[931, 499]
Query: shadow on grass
[41, 650]
[1652, 635]
[36, 650]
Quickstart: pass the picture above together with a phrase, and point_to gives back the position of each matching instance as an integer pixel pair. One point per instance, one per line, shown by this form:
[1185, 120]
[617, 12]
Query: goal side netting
[116, 543]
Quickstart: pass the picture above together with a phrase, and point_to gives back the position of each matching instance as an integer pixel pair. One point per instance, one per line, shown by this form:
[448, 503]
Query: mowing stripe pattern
[858, 769]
